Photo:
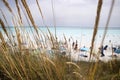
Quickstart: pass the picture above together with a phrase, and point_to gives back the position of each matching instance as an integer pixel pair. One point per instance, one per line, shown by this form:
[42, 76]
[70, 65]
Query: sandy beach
[78, 55]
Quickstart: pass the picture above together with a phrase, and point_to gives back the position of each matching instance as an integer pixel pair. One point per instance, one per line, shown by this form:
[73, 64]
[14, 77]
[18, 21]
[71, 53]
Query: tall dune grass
[18, 9]
[93, 68]
[32, 62]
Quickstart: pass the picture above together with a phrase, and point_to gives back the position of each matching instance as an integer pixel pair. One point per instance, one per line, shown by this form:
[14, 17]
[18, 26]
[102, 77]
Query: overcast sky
[67, 12]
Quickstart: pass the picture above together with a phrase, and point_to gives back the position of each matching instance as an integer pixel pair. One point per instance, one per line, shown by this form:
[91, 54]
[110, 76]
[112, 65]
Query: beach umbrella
[84, 49]
[117, 51]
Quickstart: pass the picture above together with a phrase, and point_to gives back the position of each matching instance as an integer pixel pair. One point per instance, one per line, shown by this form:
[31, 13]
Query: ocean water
[82, 35]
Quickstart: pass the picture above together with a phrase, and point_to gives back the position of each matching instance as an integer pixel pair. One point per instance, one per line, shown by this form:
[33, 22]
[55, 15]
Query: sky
[79, 13]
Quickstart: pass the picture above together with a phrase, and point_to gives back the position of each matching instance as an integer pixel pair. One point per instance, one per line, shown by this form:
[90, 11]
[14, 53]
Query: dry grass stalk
[29, 15]
[93, 69]
[65, 38]
[10, 34]
[7, 72]
[18, 37]
[18, 9]
[108, 20]
[54, 18]
[3, 27]
[3, 40]
[42, 15]
[3, 16]
[21, 63]
[52, 37]
[78, 74]
[40, 11]
[10, 63]
[7, 59]
[107, 23]
[31, 19]
[7, 5]
[27, 21]
[106, 27]
[96, 25]
[18, 34]
[74, 64]
[47, 59]
[44, 23]
[24, 14]
[15, 67]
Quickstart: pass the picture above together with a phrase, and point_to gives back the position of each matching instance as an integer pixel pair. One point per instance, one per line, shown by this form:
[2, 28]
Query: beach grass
[33, 63]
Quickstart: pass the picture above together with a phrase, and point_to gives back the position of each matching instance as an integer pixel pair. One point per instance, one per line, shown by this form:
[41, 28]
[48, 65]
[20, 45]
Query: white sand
[85, 40]
[78, 56]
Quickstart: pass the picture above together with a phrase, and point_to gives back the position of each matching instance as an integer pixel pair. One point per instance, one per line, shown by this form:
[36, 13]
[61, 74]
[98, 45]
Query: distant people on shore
[66, 45]
[73, 44]
[110, 45]
[106, 46]
[102, 51]
[76, 46]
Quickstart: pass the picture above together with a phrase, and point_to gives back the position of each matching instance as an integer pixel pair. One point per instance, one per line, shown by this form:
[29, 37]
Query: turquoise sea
[83, 35]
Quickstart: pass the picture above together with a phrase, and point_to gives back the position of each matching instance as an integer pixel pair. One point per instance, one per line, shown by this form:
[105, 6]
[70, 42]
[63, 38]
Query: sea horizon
[82, 27]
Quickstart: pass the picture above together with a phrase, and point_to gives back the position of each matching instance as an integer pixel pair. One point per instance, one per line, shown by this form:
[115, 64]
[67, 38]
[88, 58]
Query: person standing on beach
[73, 44]
[102, 51]
[76, 45]
[110, 47]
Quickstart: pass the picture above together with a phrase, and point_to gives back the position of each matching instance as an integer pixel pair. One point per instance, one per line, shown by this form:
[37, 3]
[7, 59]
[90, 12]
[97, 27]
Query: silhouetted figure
[110, 45]
[102, 51]
[69, 39]
[114, 49]
[73, 44]
[109, 41]
[76, 45]
[76, 41]
[105, 48]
